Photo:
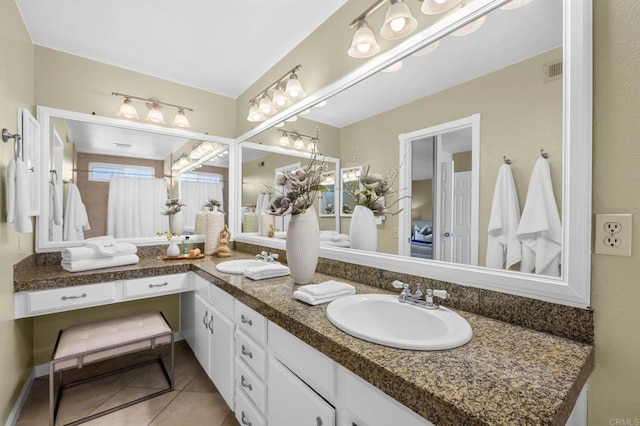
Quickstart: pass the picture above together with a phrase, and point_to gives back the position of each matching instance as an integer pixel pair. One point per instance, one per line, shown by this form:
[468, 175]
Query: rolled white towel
[327, 288]
[105, 262]
[88, 251]
[270, 270]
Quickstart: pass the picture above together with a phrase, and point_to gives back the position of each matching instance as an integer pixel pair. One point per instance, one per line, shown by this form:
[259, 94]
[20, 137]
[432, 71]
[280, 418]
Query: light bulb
[181, 120]
[266, 107]
[363, 47]
[440, 1]
[398, 24]
[294, 89]
[284, 140]
[127, 110]
[364, 44]
[155, 115]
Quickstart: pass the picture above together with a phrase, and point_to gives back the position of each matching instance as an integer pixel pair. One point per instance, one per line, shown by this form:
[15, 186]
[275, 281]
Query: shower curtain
[194, 194]
[135, 206]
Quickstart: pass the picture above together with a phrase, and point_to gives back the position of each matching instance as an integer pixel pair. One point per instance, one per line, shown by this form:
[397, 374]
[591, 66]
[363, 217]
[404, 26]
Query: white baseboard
[22, 398]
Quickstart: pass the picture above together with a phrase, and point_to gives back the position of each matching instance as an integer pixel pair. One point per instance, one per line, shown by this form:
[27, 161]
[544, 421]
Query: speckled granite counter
[505, 375]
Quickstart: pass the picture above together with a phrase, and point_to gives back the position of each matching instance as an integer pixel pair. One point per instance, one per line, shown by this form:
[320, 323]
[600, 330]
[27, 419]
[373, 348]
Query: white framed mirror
[121, 173]
[572, 157]
[349, 184]
[327, 202]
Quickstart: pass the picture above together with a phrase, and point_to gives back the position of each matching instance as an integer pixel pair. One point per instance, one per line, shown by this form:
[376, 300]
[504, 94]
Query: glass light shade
[280, 124]
[180, 163]
[299, 143]
[470, 27]
[515, 4]
[279, 98]
[254, 114]
[398, 22]
[181, 120]
[305, 112]
[266, 107]
[294, 88]
[321, 104]
[427, 49]
[364, 44]
[155, 115]
[292, 119]
[393, 67]
[284, 140]
[435, 7]
[127, 110]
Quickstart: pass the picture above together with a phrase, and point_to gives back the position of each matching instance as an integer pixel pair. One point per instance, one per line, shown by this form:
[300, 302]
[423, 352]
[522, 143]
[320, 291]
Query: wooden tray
[181, 257]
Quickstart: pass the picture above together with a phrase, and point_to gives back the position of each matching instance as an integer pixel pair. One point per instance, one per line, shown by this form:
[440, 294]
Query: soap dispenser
[187, 246]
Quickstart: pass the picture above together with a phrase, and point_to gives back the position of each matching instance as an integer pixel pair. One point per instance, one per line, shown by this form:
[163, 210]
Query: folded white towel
[88, 251]
[327, 288]
[107, 262]
[270, 270]
[503, 245]
[280, 234]
[310, 299]
[105, 247]
[336, 243]
[540, 229]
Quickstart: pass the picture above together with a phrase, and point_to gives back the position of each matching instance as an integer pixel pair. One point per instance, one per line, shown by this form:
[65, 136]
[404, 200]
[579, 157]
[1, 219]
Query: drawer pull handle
[245, 320]
[244, 384]
[244, 420]
[204, 319]
[164, 284]
[210, 325]
[319, 421]
[83, 295]
[245, 352]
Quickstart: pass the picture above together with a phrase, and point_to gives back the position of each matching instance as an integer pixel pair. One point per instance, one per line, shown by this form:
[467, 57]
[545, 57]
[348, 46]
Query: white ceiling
[219, 46]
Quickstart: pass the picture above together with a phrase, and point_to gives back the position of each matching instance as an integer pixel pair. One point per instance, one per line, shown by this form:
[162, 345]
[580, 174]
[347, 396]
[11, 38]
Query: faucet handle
[442, 294]
[274, 256]
[418, 293]
[399, 284]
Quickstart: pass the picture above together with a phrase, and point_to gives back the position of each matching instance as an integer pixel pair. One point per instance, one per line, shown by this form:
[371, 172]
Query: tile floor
[194, 401]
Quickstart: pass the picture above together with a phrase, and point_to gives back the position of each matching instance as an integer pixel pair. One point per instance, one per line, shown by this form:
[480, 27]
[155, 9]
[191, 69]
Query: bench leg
[52, 402]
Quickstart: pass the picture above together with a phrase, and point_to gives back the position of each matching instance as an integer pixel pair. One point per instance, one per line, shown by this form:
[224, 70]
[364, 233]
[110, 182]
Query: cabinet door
[202, 317]
[221, 350]
[292, 403]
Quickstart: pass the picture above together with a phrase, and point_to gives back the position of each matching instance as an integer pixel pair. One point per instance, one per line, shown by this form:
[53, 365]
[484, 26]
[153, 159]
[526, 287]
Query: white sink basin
[238, 266]
[381, 318]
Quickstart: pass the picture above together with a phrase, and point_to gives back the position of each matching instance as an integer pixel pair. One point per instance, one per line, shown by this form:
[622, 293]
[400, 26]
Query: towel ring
[6, 135]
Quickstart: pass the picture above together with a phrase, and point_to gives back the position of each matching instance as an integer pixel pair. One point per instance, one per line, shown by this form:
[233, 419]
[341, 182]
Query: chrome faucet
[416, 298]
[267, 256]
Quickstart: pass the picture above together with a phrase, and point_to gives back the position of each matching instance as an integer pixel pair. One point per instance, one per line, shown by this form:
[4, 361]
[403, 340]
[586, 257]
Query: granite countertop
[505, 375]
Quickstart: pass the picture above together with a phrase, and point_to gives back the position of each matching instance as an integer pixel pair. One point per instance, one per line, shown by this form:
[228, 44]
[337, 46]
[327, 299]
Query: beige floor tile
[201, 383]
[36, 408]
[230, 420]
[139, 414]
[194, 408]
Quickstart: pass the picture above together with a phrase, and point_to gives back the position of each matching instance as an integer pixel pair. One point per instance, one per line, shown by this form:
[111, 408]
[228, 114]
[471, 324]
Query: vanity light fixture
[278, 95]
[398, 21]
[128, 110]
[200, 150]
[364, 44]
[180, 162]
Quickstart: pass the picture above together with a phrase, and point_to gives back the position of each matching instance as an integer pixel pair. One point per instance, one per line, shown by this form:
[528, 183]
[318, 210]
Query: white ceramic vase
[201, 222]
[213, 225]
[363, 231]
[303, 246]
[173, 249]
[176, 223]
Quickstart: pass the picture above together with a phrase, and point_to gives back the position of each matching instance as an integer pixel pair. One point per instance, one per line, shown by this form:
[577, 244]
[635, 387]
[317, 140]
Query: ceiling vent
[553, 70]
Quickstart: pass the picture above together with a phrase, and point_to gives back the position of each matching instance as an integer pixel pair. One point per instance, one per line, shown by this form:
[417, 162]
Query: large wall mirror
[122, 174]
[520, 83]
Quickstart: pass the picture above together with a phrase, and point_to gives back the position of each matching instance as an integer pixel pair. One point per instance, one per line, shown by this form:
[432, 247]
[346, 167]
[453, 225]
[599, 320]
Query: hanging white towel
[75, 216]
[18, 192]
[56, 202]
[540, 229]
[503, 245]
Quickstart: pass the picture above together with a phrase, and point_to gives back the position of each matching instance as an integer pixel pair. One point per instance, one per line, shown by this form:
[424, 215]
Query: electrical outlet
[394, 232]
[613, 234]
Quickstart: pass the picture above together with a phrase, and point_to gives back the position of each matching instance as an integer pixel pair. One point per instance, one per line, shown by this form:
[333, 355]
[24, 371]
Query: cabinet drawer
[222, 300]
[251, 353]
[251, 322]
[253, 386]
[246, 413]
[62, 299]
[146, 287]
[298, 356]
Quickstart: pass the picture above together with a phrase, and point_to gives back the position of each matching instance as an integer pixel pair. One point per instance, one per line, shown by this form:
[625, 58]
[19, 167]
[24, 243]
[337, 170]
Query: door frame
[406, 139]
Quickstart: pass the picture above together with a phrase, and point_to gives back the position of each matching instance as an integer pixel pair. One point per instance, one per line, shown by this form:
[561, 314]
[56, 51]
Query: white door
[29, 128]
[462, 248]
[221, 350]
[445, 213]
[202, 318]
[292, 403]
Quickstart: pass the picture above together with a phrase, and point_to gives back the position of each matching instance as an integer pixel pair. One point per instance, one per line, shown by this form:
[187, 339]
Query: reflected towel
[540, 228]
[503, 245]
[106, 262]
[75, 216]
[270, 270]
[333, 236]
[88, 251]
[342, 243]
[315, 294]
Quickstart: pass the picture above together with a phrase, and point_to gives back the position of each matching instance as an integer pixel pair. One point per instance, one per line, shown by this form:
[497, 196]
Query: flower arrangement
[300, 188]
[168, 235]
[376, 191]
[211, 203]
[172, 206]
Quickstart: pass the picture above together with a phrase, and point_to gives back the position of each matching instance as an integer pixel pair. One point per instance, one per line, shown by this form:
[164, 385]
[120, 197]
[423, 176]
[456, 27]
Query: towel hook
[506, 160]
[543, 154]
[54, 173]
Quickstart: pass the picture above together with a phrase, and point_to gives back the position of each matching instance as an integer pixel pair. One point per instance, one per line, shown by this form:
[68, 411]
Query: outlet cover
[612, 234]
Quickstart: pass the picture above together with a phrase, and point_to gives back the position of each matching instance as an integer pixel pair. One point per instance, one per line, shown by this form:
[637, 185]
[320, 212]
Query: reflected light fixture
[128, 110]
[292, 119]
[427, 49]
[284, 139]
[393, 67]
[434, 7]
[289, 136]
[398, 21]
[298, 142]
[280, 124]
[515, 4]
[180, 163]
[364, 44]
[277, 96]
[470, 27]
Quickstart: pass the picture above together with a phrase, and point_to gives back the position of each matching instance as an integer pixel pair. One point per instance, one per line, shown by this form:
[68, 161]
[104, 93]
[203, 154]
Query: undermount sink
[238, 266]
[382, 319]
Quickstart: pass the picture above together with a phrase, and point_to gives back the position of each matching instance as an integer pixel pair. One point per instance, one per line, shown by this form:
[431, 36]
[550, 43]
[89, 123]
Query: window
[201, 177]
[102, 172]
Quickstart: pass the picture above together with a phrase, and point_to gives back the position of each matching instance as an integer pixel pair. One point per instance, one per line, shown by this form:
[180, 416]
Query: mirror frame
[573, 288]
[44, 114]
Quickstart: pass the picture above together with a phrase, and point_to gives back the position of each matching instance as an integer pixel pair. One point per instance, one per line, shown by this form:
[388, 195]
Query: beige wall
[520, 114]
[16, 91]
[615, 287]
[421, 200]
